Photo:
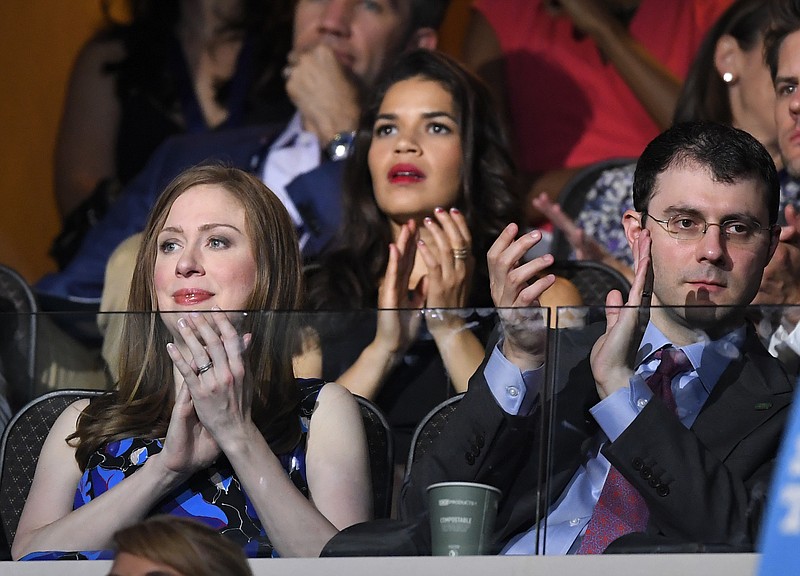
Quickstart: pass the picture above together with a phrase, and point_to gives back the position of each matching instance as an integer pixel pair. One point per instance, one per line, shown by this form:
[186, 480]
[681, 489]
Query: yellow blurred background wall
[39, 40]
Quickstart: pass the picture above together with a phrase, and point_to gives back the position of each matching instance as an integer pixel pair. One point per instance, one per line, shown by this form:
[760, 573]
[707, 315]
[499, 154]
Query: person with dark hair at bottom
[658, 404]
[173, 546]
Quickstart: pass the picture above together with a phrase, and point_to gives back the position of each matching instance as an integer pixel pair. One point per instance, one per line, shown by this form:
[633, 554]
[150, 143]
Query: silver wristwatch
[340, 146]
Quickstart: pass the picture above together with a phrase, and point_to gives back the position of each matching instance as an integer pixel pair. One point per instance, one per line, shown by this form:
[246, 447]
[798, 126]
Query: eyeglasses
[690, 227]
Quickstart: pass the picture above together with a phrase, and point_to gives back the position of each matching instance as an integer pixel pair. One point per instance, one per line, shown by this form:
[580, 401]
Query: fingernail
[182, 323]
[428, 220]
[216, 308]
[420, 242]
[438, 209]
[455, 211]
[194, 314]
[536, 234]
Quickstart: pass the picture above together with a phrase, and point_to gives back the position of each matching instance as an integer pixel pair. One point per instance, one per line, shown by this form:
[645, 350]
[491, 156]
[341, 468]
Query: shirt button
[574, 521]
[512, 391]
[641, 402]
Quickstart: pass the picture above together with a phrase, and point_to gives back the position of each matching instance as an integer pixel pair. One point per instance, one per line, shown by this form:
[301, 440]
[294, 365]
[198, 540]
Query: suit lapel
[317, 197]
[754, 388]
[257, 155]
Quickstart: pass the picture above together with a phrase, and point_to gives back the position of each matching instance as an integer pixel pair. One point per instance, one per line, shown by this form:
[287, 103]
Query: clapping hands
[780, 283]
[613, 354]
[397, 325]
[516, 288]
[214, 395]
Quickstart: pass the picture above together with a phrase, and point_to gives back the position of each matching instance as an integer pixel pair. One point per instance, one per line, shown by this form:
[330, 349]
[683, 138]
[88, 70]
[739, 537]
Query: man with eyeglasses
[666, 421]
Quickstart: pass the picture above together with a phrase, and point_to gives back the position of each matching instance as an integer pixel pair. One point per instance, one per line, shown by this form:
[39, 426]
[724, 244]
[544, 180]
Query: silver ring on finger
[205, 367]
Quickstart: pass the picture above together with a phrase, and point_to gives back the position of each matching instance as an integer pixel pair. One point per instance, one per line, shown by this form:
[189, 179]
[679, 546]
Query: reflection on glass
[698, 464]
[695, 453]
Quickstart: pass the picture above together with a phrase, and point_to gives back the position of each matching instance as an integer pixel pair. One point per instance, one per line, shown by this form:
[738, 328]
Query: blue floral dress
[213, 495]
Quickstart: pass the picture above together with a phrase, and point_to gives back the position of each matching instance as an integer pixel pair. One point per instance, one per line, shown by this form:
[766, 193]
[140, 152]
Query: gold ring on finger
[460, 253]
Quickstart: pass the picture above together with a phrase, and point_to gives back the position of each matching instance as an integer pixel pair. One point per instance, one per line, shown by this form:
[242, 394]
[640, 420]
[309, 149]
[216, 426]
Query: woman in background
[429, 188]
[176, 66]
[728, 82]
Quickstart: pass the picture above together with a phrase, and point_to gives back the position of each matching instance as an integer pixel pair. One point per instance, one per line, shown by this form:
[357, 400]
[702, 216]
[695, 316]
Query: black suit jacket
[705, 485]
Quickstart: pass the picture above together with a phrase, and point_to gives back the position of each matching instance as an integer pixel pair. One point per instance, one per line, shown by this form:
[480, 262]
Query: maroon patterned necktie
[621, 509]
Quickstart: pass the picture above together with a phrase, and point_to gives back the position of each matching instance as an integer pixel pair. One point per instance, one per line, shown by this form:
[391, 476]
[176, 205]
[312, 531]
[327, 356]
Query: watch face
[340, 146]
[339, 150]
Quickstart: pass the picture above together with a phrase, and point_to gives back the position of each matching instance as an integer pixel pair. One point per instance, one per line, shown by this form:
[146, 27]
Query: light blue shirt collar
[709, 358]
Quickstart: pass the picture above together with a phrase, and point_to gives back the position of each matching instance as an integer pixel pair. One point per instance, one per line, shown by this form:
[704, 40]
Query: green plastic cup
[462, 517]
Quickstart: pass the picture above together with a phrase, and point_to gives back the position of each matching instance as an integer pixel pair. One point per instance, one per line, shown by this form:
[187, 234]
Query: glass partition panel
[536, 461]
[696, 452]
[433, 356]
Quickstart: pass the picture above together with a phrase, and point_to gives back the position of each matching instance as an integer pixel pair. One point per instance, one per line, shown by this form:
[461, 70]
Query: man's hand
[516, 285]
[324, 92]
[613, 354]
[781, 281]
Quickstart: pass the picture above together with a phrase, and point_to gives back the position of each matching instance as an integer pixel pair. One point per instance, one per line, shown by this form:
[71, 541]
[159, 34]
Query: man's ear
[632, 224]
[424, 38]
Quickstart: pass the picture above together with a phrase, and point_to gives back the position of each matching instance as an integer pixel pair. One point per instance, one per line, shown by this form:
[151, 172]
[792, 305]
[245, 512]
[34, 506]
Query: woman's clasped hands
[441, 286]
[450, 263]
[213, 402]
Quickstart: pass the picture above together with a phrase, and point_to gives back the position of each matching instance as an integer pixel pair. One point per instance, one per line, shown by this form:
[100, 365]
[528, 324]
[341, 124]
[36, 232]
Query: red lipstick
[405, 174]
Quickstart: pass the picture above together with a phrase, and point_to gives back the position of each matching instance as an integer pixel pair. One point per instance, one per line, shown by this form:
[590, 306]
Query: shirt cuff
[783, 339]
[616, 412]
[514, 391]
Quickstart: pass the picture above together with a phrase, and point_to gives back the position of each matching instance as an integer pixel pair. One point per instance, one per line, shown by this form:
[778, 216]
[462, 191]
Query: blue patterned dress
[213, 495]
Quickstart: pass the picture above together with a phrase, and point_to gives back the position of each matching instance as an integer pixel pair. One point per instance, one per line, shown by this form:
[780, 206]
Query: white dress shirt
[294, 152]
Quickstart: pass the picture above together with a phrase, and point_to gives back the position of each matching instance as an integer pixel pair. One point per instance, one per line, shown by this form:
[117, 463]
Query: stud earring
[727, 77]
